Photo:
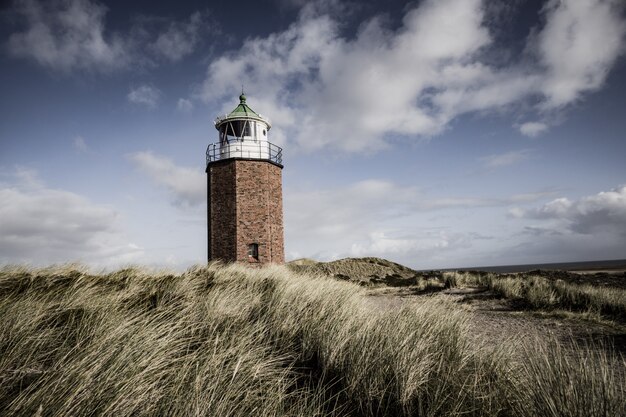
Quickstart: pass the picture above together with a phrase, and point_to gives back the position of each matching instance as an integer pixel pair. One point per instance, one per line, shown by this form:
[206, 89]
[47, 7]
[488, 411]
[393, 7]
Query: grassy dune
[229, 341]
[539, 293]
[530, 290]
[365, 271]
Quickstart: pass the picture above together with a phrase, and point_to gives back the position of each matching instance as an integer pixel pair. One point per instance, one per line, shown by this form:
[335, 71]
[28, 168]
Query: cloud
[71, 35]
[532, 129]
[540, 231]
[145, 95]
[187, 186]
[67, 35]
[326, 90]
[184, 105]
[467, 202]
[363, 202]
[505, 159]
[603, 212]
[589, 228]
[180, 38]
[40, 225]
[578, 46]
[377, 217]
[357, 90]
[430, 243]
[24, 177]
[80, 144]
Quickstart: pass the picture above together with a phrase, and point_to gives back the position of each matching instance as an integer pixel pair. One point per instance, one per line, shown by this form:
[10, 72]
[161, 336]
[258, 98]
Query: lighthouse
[244, 190]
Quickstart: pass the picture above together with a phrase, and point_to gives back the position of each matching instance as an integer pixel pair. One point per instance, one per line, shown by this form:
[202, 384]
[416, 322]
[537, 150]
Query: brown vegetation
[230, 341]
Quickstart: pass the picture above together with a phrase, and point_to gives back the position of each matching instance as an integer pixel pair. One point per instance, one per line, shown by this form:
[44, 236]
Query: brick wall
[245, 206]
[222, 211]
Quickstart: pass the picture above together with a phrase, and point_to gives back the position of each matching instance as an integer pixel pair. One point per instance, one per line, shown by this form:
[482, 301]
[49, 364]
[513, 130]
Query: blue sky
[435, 133]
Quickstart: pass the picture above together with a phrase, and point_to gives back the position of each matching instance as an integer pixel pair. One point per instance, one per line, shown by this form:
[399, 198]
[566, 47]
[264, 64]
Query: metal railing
[262, 150]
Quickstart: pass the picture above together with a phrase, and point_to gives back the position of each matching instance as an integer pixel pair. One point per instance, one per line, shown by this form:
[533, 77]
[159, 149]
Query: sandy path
[494, 319]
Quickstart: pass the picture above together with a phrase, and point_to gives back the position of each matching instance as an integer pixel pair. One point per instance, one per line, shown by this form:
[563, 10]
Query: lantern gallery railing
[245, 149]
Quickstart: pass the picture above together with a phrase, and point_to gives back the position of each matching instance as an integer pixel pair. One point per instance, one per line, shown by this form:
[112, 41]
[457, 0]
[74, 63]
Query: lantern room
[243, 133]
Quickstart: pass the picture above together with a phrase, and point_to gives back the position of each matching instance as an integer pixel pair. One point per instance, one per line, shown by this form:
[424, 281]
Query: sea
[610, 265]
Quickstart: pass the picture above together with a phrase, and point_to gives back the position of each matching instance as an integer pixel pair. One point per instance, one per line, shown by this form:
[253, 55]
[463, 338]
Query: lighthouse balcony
[246, 149]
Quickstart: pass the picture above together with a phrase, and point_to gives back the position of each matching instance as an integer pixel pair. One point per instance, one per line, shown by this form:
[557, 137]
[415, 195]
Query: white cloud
[532, 129]
[565, 230]
[184, 105]
[67, 35]
[328, 214]
[516, 212]
[71, 35]
[180, 38]
[578, 46]
[24, 177]
[603, 212]
[145, 95]
[40, 225]
[431, 244]
[347, 221]
[80, 144]
[186, 185]
[376, 217]
[353, 94]
[505, 159]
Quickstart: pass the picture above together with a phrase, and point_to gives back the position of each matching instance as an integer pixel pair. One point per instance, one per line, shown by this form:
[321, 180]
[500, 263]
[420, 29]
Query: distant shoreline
[616, 265]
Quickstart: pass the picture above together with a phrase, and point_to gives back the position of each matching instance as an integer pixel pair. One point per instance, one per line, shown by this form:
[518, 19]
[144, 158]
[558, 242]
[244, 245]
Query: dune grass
[540, 293]
[366, 271]
[230, 341]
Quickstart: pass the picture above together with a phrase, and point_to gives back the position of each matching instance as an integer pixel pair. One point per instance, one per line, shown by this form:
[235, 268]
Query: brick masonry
[245, 206]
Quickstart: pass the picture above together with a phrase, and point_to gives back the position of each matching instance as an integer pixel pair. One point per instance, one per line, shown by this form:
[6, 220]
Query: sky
[437, 134]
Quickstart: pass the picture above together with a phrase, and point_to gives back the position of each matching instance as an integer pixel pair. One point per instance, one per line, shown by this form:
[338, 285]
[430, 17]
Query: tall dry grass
[540, 293]
[367, 271]
[229, 341]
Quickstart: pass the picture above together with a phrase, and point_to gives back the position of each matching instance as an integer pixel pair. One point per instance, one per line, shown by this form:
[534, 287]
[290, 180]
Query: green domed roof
[242, 111]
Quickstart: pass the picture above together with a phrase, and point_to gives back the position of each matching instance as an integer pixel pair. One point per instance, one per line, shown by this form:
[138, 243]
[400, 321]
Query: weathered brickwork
[222, 208]
[245, 206]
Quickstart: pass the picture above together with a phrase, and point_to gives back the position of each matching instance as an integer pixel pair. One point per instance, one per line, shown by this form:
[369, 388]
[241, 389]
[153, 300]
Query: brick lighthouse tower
[244, 189]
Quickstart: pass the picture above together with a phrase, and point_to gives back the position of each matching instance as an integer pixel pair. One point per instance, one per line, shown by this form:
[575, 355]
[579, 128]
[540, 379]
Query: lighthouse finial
[242, 97]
